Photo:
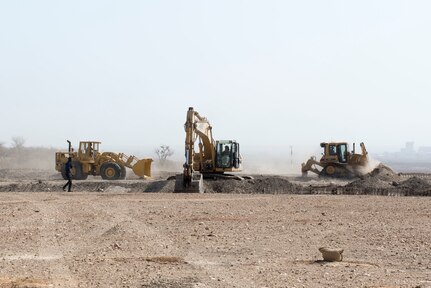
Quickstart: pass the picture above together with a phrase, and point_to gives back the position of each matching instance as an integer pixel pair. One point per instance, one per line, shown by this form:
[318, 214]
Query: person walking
[68, 168]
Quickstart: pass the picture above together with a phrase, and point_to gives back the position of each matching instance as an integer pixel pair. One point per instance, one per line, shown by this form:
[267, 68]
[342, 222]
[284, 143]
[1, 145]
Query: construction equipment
[337, 161]
[212, 158]
[90, 161]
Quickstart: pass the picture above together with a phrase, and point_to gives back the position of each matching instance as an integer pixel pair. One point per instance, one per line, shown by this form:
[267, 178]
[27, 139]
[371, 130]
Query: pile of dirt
[260, 184]
[384, 181]
[382, 177]
[414, 187]
[383, 172]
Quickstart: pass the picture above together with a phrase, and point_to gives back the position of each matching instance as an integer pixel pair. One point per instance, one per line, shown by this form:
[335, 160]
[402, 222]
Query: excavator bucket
[142, 168]
[196, 184]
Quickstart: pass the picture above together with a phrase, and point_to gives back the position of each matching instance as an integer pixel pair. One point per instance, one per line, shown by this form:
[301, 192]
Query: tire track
[214, 269]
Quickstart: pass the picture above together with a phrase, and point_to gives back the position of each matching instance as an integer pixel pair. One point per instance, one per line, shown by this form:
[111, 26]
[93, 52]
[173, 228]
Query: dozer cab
[211, 158]
[337, 161]
[88, 160]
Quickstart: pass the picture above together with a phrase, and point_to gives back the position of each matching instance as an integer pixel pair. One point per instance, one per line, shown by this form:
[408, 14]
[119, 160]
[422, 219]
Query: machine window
[332, 150]
[224, 153]
[83, 148]
[342, 156]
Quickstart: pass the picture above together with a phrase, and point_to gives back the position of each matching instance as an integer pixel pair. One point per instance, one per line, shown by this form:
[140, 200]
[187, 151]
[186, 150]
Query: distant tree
[163, 153]
[18, 142]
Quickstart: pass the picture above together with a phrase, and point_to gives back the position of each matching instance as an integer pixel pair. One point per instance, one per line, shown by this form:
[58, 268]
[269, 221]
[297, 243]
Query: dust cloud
[27, 158]
[275, 160]
[371, 166]
[271, 160]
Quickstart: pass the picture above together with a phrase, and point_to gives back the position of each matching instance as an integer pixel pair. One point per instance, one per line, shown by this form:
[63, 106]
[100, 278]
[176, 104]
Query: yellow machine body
[338, 161]
[204, 156]
[88, 160]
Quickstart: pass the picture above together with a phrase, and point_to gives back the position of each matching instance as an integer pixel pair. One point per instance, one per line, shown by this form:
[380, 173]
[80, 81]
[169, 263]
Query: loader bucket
[142, 168]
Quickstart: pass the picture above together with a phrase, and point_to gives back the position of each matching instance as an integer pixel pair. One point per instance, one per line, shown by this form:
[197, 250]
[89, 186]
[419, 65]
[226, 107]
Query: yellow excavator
[88, 160]
[337, 161]
[207, 157]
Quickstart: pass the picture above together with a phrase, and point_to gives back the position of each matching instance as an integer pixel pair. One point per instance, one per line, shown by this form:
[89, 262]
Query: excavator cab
[227, 154]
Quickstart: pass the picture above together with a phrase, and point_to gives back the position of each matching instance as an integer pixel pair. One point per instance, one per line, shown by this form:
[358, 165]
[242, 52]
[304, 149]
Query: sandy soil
[212, 240]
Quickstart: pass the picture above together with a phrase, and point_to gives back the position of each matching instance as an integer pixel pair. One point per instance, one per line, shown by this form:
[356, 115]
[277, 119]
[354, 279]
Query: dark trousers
[69, 183]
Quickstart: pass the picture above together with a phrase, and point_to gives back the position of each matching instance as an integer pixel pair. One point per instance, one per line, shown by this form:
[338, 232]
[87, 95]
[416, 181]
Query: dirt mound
[415, 183]
[381, 177]
[414, 186]
[384, 181]
[260, 184]
[384, 173]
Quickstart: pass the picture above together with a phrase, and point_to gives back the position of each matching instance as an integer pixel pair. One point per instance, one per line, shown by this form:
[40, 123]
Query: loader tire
[110, 171]
[123, 173]
[77, 173]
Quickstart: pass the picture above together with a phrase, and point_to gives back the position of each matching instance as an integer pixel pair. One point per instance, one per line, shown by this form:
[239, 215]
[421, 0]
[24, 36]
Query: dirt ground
[108, 234]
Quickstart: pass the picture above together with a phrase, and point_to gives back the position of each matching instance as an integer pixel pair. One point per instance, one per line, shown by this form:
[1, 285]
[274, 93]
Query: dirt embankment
[381, 181]
[261, 184]
[384, 181]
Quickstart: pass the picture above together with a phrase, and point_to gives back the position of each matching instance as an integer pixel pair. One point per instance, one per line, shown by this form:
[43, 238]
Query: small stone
[332, 254]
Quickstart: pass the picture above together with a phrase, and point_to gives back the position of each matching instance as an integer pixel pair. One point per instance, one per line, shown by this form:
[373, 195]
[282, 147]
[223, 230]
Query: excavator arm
[197, 128]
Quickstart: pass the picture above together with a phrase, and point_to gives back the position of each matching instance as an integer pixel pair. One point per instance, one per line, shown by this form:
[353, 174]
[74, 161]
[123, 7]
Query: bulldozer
[214, 159]
[88, 160]
[337, 161]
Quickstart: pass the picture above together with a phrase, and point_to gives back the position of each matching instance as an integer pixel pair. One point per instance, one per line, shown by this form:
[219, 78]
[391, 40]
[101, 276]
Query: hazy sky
[264, 72]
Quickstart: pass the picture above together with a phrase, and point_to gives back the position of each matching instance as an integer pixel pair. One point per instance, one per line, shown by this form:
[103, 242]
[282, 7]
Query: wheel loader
[211, 158]
[88, 160]
[337, 161]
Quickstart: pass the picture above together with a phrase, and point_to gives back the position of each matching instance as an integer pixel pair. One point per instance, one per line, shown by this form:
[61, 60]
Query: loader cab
[337, 152]
[227, 154]
[88, 150]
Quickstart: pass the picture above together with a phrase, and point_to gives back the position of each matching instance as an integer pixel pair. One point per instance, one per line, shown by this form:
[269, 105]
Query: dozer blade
[142, 168]
[195, 186]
